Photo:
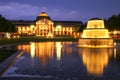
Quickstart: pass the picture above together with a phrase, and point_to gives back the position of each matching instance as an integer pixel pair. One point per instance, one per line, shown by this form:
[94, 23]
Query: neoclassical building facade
[44, 26]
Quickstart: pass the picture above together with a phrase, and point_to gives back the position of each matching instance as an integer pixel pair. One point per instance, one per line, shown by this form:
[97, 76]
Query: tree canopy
[6, 25]
[113, 22]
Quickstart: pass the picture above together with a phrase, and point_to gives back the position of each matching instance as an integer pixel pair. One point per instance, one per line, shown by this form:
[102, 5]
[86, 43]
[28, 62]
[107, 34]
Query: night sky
[77, 10]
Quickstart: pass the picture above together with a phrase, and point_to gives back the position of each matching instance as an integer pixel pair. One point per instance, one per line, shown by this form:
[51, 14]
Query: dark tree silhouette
[6, 25]
[113, 22]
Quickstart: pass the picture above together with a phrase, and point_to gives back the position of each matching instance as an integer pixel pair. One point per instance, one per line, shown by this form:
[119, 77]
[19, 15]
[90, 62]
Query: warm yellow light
[23, 29]
[50, 35]
[18, 36]
[115, 32]
[44, 51]
[43, 23]
[7, 35]
[115, 44]
[58, 50]
[95, 29]
[14, 36]
[32, 49]
[115, 53]
[96, 33]
[32, 26]
[59, 26]
[95, 24]
[43, 14]
[95, 61]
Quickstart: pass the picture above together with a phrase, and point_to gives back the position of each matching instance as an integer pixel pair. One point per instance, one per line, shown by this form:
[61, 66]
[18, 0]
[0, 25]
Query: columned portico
[44, 25]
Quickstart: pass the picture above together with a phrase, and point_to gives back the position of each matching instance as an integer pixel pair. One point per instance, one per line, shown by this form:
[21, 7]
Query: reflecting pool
[64, 60]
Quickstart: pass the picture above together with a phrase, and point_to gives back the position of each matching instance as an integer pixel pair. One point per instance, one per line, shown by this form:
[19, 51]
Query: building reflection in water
[115, 53]
[32, 49]
[58, 50]
[25, 48]
[46, 50]
[43, 51]
[95, 60]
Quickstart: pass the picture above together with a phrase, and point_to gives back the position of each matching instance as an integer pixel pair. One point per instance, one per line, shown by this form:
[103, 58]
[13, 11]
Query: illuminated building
[45, 27]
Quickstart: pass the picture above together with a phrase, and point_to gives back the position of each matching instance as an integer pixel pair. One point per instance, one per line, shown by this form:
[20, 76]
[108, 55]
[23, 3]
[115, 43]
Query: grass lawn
[35, 39]
[4, 54]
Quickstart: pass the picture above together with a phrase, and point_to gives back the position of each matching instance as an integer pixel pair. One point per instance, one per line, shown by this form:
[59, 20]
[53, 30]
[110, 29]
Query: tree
[82, 27]
[113, 23]
[6, 26]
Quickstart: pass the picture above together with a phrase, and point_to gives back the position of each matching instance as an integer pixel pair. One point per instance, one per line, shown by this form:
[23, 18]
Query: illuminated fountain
[95, 35]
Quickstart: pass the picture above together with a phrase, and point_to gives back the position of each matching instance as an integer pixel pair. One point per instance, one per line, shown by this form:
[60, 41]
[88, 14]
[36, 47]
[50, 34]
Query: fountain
[95, 35]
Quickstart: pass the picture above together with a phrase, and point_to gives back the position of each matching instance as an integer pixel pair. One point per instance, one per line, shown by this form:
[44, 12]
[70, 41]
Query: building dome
[42, 15]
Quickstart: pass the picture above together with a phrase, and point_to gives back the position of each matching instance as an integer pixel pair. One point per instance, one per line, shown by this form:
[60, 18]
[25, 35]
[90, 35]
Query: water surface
[65, 60]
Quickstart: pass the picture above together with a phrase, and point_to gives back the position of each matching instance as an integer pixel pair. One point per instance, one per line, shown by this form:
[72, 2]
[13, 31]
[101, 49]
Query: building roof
[43, 15]
[23, 22]
[32, 22]
[67, 23]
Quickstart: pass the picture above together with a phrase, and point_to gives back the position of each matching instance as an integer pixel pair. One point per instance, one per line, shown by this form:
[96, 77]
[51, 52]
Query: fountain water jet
[95, 35]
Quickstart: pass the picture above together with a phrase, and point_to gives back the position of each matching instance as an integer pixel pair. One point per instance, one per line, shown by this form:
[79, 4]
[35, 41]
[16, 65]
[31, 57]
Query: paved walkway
[24, 78]
[82, 78]
[8, 62]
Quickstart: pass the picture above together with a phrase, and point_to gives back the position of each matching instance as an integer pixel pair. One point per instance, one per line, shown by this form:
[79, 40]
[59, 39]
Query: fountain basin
[96, 42]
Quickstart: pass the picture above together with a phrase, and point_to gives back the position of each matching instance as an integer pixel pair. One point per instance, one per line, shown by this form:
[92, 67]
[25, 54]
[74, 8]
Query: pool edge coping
[9, 61]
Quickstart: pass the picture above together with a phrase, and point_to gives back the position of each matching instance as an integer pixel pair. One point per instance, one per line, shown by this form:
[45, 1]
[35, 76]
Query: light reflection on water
[96, 60]
[64, 59]
[58, 50]
[46, 50]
